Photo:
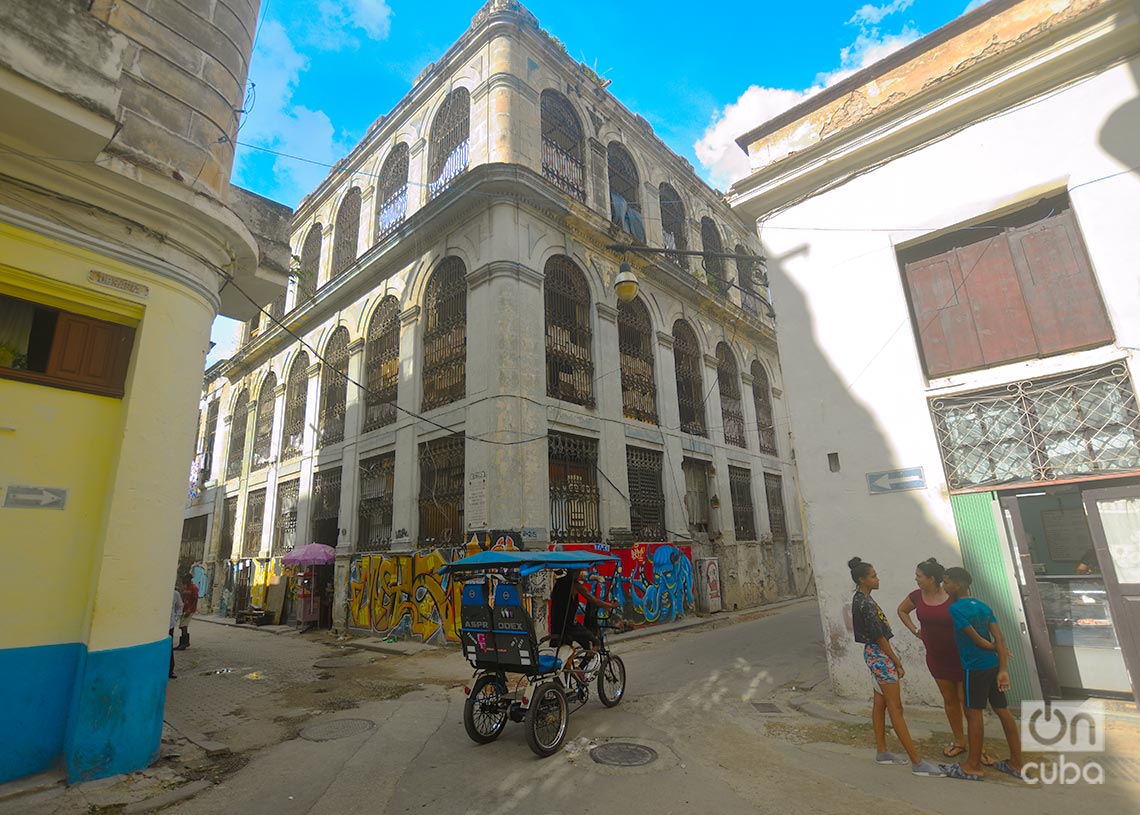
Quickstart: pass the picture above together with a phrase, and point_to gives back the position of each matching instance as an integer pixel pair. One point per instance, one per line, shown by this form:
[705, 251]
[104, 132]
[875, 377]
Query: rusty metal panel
[1000, 319]
[946, 332]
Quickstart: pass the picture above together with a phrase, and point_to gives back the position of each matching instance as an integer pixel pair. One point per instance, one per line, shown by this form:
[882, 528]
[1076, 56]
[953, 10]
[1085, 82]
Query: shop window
[569, 361]
[374, 512]
[635, 346]
[731, 406]
[442, 478]
[392, 192]
[743, 513]
[382, 365]
[573, 464]
[445, 335]
[687, 365]
[646, 498]
[562, 162]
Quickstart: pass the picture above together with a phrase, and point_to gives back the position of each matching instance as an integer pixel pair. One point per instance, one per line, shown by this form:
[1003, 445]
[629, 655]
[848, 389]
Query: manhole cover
[623, 754]
[336, 729]
[766, 707]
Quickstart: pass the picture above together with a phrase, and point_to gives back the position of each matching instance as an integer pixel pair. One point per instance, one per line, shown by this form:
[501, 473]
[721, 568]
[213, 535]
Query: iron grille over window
[696, 493]
[254, 521]
[445, 335]
[731, 407]
[296, 400]
[777, 523]
[210, 441]
[569, 364]
[441, 491]
[673, 231]
[690, 394]
[326, 506]
[646, 498]
[635, 345]
[573, 489]
[715, 272]
[392, 192]
[562, 145]
[447, 156]
[743, 516]
[229, 521]
[762, 399]
[346, 232]
[1079, 424]
[377, 483]
[334, 388]
[239, 418]
[625, 197]
[746, 279]
[193, 548]
[263, 426]
[309, 273]
[275, 310]
[382, 365]
[285, 532]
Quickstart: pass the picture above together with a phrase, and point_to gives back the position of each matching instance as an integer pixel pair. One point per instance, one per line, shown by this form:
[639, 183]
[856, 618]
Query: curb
[168, 798]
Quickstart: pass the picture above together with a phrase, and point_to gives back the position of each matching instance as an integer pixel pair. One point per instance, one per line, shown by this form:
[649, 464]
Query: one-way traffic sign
[21, 496]
[910, 478]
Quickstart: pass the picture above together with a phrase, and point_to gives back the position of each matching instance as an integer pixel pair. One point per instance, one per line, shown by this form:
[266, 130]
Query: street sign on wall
[908, 478]
[21, 496]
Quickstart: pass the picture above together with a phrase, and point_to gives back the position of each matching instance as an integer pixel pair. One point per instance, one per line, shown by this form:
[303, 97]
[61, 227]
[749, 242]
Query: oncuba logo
[1063, 727]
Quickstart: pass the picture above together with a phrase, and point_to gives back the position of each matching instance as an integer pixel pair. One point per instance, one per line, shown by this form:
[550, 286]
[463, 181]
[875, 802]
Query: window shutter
[1000, 319]
[947, 336]
[90, 352]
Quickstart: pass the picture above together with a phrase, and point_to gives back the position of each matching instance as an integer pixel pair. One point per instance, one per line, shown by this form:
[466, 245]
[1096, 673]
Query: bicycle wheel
[611, 681]
[485, 711]
[546, 720]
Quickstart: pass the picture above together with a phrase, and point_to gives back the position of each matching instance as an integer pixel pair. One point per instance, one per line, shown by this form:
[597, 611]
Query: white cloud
[224, 334]
[339, 20]
[873, 15]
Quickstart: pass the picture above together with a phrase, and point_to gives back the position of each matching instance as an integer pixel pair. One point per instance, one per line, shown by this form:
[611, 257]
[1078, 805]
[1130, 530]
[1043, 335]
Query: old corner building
[960, 357]
[117, 225]
[451, 366]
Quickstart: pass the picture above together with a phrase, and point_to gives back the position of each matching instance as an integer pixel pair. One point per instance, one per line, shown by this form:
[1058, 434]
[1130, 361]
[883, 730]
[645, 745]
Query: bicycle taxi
[519, 676]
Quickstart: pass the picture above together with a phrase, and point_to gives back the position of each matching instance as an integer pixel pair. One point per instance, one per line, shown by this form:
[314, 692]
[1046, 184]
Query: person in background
[189, 593]
[175, 617]
[874, 632]
[1088, 563]
[985, 660]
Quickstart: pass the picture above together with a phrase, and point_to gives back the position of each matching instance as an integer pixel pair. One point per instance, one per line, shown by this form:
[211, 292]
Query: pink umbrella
[311, 554]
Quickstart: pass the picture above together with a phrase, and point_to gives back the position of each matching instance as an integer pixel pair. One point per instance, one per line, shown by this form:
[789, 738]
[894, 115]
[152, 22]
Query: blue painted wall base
[38, 685]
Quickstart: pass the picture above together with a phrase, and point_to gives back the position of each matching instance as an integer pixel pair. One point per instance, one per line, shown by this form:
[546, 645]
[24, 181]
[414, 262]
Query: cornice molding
[509, 269]
[504, 80]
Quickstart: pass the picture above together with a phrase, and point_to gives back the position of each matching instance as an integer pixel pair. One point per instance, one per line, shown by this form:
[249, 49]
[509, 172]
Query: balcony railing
[392, 213]
[563, 170]
[456, 163]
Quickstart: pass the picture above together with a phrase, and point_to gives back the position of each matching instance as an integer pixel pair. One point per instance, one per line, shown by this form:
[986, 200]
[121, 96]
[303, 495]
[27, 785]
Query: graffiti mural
[402, 594]
[653, 582]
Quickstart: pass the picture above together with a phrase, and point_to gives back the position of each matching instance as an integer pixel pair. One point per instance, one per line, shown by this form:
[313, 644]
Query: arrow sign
[910, 478]
[21, 496]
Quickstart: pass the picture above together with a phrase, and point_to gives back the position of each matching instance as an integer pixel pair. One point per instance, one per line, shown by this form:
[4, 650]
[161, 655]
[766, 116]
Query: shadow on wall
[893, 531]
[1118, 135]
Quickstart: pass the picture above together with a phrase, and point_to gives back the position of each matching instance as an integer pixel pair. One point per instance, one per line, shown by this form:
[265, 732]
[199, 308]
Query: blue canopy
[526, 562]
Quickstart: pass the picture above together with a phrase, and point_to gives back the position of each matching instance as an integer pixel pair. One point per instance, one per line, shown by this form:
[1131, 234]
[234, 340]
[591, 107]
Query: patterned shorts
[882, 666]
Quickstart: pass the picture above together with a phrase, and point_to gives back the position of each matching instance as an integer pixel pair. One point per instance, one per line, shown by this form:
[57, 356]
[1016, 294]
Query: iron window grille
[696, 474]
[777, 522]
[442, 476]
[274, 310]
[377, 483]
[687, 364]
[309, 272]
[382, 365]
[229, 521]
[743, 515]
[193, 547]
[346, 232]
[450, 138]
[762, 400]
[1078, 424]
[569, 363]
[392, 192]
[715, 272]
[263, 426]
[646, 497]
[334, 388]
[635, 345]
[673, 224]
[238, 420]
[285, 532]
[254, 522]
[625, 197]
[326, 506]
[445, 335]
[731, 405]
[296, 401]
[562, 163]
[574, 497]
[210, 440]
[746, 279]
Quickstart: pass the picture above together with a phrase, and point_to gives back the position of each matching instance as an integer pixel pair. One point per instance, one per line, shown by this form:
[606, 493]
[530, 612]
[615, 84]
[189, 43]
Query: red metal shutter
[946, 333]
[1000, 318]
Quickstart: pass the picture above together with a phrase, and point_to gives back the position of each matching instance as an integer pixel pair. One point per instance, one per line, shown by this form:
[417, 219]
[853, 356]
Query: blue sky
[701, 73]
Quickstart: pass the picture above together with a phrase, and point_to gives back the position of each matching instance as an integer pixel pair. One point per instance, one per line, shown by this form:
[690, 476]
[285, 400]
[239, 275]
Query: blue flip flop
[1003, 767]
[956, 771]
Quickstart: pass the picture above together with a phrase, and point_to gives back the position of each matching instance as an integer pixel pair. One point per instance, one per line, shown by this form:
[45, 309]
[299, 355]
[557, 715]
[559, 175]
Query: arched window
[296, 399]
[762, 399]
[625, 196]
[687, 363]
[569, 362]
[715, 272]
[392, 192]
[346, 232]
[334, 389]
[310, 267]
[447, 155]
[263, 426]
[562, 160]
[239, 418]
[673, 231]
[382, 364]
[445, 335]
[635, 345]
[731, 408]
[745, 280]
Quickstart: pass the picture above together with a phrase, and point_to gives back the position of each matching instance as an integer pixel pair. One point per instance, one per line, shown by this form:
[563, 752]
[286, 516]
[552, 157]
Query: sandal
[956, 771]
[987, 760]
[953, 750]
[1004, 767]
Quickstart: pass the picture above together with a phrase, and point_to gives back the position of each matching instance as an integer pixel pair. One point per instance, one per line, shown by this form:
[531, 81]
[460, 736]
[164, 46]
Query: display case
[1084, 641]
